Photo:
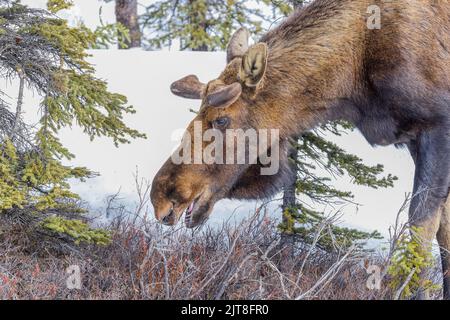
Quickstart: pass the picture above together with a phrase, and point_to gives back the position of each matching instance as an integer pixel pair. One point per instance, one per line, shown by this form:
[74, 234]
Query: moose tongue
[189, 212]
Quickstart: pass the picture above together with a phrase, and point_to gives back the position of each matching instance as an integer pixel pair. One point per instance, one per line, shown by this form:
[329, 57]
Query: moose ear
[238, 44]
[188, 87]
[253, 65]
[224, 96]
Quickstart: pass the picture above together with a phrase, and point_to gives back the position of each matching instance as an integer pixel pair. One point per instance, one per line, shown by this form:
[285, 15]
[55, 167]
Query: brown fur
[324, 64]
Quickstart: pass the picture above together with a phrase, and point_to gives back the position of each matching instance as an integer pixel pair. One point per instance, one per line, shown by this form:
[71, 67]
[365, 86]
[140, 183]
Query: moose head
[237, 101]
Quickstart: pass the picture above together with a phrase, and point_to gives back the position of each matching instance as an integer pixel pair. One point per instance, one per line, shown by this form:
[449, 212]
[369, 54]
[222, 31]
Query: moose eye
[221, 122]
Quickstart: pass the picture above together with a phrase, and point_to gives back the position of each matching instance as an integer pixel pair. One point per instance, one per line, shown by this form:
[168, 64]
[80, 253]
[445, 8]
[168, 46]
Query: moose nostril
[168, 217]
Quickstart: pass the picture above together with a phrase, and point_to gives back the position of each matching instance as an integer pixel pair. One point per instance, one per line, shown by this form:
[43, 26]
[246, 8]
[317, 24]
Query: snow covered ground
[145, 77]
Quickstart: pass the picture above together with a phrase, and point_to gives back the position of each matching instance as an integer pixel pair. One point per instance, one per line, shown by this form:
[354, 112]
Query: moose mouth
[194, 214]
[189, 213]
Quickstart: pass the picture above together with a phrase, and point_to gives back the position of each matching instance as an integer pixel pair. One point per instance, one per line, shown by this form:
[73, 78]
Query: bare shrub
[145, 260]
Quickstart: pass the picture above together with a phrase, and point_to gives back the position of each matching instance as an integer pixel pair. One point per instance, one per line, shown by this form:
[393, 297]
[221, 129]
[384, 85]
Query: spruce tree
[317, 163]
[41, 52]
[204, 25]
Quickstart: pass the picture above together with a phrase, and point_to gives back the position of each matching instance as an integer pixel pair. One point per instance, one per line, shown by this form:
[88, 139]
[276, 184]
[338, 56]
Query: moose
[324, 63]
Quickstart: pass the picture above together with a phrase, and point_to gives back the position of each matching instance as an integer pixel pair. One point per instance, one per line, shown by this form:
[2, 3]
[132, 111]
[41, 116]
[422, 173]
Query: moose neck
[313, 61]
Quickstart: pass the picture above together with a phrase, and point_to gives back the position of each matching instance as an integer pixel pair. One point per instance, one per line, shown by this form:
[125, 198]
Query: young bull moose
[321, 64]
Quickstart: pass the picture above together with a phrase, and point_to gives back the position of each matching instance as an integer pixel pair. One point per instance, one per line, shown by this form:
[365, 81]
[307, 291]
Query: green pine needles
[313, 152]
[407, 263]
[40, 51]
[205, 25]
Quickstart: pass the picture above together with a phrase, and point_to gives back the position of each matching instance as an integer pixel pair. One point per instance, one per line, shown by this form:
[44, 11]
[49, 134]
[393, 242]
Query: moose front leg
[431, 182]
[443, 237]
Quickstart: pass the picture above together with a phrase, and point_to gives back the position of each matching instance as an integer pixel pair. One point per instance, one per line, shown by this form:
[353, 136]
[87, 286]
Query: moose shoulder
[323, 63]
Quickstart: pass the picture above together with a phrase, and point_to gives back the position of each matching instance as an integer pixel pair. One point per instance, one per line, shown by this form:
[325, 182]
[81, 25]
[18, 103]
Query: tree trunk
[289, 190]
[289, 196]
[289, 201]
[126, 14]
[297, 3]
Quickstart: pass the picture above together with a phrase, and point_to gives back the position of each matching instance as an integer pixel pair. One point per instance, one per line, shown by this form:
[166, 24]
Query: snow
[144, 77]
